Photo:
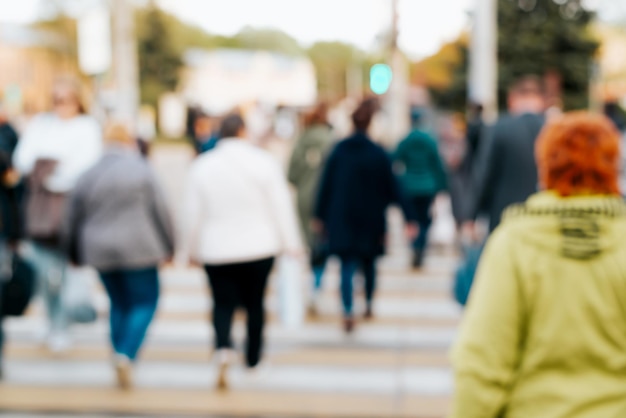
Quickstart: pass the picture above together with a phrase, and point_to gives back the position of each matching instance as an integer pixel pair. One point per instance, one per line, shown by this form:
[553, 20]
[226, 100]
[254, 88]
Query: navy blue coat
[357, 187]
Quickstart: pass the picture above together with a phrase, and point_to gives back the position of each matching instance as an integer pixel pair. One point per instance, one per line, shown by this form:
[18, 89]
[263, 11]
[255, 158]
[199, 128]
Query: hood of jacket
[581, 227]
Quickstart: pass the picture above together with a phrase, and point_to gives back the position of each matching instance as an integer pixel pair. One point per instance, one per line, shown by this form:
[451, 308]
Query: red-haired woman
[545, 331]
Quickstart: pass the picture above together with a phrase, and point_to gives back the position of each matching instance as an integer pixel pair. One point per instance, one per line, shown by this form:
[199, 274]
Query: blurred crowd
[544, 332]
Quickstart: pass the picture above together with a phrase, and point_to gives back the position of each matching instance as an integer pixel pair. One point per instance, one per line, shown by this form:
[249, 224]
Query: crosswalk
[394, 366]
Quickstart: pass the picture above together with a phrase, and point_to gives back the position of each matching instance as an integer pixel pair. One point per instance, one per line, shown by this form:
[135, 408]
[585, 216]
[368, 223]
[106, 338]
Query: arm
[160, 213]
[487, 172]
[322, 203]
[439, 167]
[25, 155]
[283, 209]
[191, 218]
[296, 168]
[397, 194]
[487, 354]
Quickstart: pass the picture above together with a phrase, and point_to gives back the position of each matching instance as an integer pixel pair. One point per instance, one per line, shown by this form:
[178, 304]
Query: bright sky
[424, 24]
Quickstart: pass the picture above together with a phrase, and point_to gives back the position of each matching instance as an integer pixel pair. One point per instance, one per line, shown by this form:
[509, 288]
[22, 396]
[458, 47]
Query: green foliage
[547, 37]
[333, 61]
[160, 60]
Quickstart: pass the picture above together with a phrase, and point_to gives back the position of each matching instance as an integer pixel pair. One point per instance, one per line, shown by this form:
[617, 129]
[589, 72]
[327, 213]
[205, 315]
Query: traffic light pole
[397, 100]
[483, 82]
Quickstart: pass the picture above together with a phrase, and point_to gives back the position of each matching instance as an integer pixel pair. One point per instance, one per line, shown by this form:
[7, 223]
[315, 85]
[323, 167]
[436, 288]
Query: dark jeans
[349, 267]
[134, 295]
[422, 206]
[241, 284]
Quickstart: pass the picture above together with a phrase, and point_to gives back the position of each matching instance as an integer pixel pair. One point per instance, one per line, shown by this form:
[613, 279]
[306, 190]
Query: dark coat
[11, 198]
[506, 170]
[357, 187]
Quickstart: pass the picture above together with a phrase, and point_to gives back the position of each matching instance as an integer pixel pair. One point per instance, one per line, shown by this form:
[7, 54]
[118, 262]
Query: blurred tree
[445, 75]
[268, 40]
[333, 61]
[160, 60]
[544, 37]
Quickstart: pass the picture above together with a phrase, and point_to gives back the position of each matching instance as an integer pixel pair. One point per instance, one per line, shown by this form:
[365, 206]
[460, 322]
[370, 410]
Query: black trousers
[244, 285]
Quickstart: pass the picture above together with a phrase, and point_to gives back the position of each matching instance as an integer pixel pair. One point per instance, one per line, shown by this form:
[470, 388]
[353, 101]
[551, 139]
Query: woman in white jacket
[56, 149]
[239, 217]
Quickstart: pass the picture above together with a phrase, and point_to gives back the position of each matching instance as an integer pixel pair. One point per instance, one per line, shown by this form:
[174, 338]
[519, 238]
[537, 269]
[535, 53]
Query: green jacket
[305, 169]
[545, 331]
[422, 172]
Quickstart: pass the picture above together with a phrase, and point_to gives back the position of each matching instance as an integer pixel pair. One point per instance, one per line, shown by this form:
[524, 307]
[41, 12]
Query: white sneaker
[58, 343]
[225, 358]
[123, 369]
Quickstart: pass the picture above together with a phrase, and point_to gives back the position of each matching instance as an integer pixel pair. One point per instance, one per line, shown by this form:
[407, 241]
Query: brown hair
[579, 154]
[318, 116]
[363, 115]
[527, 85]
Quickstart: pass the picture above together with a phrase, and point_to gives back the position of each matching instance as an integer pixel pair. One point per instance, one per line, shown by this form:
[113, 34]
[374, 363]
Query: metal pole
[398, 98]
[126, 63]
[483, 88]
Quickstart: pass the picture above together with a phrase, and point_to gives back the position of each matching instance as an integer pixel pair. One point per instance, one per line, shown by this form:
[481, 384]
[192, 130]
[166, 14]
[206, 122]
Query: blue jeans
[51, 266]
[422, 206]
[134, 295]
[349, 267]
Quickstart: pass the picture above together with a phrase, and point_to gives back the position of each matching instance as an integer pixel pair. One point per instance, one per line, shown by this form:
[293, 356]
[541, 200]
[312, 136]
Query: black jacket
[357, 187]
[11, 199]
[506, 170]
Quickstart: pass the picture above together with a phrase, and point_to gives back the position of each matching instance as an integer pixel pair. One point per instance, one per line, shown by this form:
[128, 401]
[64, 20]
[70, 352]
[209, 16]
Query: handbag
[18, 291]
[45, 210]
[464, 278]
[77, 296]
[291, 306]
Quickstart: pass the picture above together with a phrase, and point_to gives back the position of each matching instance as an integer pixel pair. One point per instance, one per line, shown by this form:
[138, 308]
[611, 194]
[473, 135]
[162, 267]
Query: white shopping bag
[78, 295]
[290, 295]
[443, 230]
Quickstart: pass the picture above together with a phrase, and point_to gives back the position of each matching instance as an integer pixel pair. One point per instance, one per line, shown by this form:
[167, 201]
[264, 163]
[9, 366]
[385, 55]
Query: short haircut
[528, 85]
[363, 115]
[318, 116]
[232, 125]
[579, 153]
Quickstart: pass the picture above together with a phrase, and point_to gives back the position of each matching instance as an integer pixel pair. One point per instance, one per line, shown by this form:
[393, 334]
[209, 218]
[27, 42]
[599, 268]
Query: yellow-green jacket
[545, 331]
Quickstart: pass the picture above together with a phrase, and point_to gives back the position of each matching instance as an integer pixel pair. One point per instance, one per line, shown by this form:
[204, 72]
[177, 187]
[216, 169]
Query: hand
[468, 231]
[317, 226]
[411, 231]
[11, 178]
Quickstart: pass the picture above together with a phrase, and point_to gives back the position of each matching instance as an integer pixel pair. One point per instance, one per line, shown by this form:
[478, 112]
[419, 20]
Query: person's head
[475, 110]
[579, 154]
[233, 126]
[526, 95]
[203, 127]
[117, 135]
[67, 99]
[318, 116]
[364, 113]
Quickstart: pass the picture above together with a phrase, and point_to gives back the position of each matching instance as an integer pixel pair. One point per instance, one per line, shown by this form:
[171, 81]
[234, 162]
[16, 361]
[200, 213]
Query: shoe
[348, 324]
[123, 369]
[369, 313]
[314, 310]
[225, 359]
[418, 259]
[58, 343]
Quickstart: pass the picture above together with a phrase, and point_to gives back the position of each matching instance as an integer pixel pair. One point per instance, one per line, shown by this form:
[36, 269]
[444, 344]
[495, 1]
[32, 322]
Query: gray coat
[117, 216]
[506, 169]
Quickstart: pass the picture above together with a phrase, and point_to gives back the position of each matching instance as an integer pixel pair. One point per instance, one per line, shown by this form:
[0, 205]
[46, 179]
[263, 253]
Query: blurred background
[159, 65]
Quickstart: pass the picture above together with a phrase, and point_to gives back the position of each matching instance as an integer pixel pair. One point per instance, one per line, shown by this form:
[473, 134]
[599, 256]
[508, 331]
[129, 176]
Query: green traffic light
[381, 77]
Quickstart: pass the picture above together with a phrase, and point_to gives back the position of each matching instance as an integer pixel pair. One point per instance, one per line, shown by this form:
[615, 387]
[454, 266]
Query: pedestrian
[205, 134]
[545, 330]
[305, 168]
[56, 149]
[357, 187]
[10, 211]
[118, 222]
[506, 170]
[423, 177]
[235, 228]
